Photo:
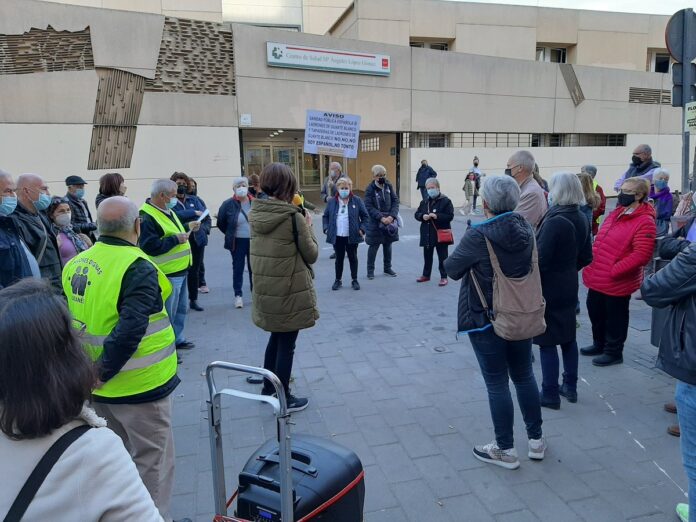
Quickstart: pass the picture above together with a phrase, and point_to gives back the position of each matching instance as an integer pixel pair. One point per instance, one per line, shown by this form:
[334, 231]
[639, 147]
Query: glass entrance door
[256, 158]
[286, 155]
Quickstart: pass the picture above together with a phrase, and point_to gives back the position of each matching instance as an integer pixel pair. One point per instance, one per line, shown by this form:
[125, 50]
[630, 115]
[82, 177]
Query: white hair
[524, 159]
[661, 173]
[565, 189]
[238, 182]
[432, 181]
[378, 169]
[501, 194]
[5, 175]
[335, 165]
[162, 186]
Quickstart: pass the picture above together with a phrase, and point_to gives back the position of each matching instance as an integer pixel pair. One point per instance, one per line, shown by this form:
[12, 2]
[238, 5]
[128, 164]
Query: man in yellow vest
[116, 297]
[166, 241]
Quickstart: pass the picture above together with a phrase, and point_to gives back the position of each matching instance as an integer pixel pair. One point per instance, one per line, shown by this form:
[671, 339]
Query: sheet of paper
[204, 215]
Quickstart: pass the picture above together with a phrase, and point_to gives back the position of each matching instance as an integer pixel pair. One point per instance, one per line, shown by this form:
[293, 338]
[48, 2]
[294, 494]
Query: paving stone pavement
[387, 378]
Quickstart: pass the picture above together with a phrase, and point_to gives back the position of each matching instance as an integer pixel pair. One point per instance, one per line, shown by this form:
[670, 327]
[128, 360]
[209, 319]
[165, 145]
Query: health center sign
[301, 57]
[332, 133]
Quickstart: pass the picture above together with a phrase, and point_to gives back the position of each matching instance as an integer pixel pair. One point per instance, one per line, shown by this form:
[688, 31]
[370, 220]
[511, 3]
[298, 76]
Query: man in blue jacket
[425, 172]
[15, 259]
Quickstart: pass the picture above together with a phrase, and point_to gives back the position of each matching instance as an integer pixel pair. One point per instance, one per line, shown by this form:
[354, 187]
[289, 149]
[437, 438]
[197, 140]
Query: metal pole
[687, 97]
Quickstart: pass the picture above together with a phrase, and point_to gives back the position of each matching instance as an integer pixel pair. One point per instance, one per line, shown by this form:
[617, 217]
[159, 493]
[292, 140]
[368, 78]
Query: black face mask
[626, 200]
[636, 160]
[381, 181]
[475, 163]
[181, 189]
[508, 172]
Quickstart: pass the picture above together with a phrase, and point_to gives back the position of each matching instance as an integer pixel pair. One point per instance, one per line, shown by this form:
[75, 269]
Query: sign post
[680, 36]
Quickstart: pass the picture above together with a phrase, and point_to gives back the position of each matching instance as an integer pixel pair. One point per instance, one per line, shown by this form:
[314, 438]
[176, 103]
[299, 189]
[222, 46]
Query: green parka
[283, 296]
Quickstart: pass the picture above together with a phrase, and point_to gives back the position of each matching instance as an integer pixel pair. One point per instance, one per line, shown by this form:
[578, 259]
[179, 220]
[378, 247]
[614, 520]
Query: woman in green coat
[283, 248]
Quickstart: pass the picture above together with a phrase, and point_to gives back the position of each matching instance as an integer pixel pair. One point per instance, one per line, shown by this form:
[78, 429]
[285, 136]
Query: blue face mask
[344, 193]
[549, 200]
[433, 193]
[80, 193]
[172, 203]
[43, 202]
[8, 205]
[660, 184]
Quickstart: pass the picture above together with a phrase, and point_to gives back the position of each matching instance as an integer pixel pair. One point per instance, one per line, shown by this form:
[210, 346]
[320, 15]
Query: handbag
[444, 235]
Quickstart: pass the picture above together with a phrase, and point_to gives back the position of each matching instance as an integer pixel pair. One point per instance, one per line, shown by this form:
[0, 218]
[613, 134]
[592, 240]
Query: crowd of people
[118, 289]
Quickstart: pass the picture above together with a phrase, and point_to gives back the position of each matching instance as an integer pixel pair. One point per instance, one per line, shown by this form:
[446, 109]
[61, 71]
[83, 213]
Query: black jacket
[564, 241]
[227, 219]
[152, 240]
[36, 231]
[380, 202]
[186, 212]
[140, 296]
[425, 172]
[442, 206]
[675, 287]
[81, 217]
[512, 238]
[13, 261]
[676, 243]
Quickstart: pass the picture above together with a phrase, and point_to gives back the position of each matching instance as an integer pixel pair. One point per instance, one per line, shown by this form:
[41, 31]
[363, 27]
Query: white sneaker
[537, 448]
[238, 302]
[492, 454]
[461, 211]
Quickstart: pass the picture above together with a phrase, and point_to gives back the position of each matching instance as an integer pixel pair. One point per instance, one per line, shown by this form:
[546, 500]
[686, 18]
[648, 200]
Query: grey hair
[345, 180]
[5, 175]
[663, 173]
[336, 164]
[117, 227]
[644, 147]
[378, 169]
[238, 182]
[524, 159]
[434, 181]
[590, 169]
[565, 189]
[160, 186]
[501, 194]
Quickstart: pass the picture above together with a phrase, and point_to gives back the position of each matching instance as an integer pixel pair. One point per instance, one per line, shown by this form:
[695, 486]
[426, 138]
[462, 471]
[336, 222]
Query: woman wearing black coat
[382, 203]
[435, 212]
[564, 240]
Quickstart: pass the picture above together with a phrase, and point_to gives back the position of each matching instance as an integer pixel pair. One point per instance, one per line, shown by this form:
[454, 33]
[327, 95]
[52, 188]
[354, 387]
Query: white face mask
[241, 192]
[63, 220]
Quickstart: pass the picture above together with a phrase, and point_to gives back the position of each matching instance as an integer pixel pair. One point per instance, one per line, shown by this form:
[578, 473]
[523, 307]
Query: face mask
[172, 203]
[344, 193]
[508, 172]
[660, 184]
[63, 220]
[433, 193]
[381, 181]
[241, 192]
[8, 205]
[636, 160]
[80, 193]
[43, 202]
[549, 200]
[181, 189]
[475, 163]
[626, 200]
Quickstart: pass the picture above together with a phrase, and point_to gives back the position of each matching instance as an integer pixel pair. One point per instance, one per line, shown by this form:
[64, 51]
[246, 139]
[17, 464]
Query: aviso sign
[332, 133]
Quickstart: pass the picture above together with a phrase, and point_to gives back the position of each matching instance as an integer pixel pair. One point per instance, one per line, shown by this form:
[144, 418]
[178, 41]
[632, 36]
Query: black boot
[569, 393]
[591, 350]
[607, 359]
[193, 305]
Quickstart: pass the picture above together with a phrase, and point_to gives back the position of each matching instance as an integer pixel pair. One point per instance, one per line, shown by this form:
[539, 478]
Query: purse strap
[482, 297]
[41, 471]
[295, 237]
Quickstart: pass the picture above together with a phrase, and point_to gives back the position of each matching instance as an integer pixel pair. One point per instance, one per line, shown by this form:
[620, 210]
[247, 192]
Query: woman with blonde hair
[592, 199]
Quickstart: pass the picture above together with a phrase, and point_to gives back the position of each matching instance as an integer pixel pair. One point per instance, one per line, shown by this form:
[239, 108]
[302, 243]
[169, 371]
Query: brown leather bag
[518, 303]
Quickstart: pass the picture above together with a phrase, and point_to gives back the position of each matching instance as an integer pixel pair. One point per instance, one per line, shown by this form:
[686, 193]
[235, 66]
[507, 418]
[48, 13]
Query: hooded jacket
[283, 294]
[623, 247]
[512, 239]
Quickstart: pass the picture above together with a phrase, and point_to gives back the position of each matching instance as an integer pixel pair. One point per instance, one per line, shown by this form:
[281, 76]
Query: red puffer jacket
[623, 247]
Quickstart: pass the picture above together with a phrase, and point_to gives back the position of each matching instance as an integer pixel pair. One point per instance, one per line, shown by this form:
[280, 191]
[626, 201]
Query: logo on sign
[385, 63]
[277, 53]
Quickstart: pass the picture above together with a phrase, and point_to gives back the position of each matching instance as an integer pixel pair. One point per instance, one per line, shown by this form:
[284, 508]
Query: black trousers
[609, 317]
[197, 253]
[372, 255]
[201, 274]
[342, 247]
[442, 253]
[475, 197]
[280, 351]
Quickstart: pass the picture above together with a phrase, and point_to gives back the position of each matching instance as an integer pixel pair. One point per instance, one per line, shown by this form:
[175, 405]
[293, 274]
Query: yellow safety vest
[179, 257]
[92, 284]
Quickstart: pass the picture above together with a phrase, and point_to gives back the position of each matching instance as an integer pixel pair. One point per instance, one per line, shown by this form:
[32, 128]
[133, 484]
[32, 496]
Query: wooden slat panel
[657, 96]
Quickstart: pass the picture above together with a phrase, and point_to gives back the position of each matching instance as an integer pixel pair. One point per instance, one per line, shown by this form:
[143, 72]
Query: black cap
[74, 180]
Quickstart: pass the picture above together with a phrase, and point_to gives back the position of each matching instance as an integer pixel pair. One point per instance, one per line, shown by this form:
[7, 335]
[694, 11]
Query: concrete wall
[209, 10]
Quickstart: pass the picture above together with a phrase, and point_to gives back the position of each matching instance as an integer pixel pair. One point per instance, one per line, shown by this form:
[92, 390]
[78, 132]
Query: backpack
[518, 303]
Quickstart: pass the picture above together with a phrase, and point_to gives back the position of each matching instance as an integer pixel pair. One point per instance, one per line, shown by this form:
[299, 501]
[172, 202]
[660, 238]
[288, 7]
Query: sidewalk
[387, 378]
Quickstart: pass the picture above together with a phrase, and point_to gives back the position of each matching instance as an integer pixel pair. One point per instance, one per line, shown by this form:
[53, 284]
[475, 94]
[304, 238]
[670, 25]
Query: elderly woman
[283, 250]
[663, 201]
[70, 243]
[233, 221]
[564, 238]
[621, 250]
[435, 212]
[382, 204]
[512, 240]
[344, 222]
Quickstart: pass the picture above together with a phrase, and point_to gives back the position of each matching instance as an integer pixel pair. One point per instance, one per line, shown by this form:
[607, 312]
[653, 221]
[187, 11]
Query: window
[437, 140]
[480, 140]
[551, 54]
[369, 144]
[658, 61]
[436, 46]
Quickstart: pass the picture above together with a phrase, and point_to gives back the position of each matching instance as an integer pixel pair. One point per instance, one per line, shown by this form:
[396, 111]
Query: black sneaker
[370, 275]
[296, 403]
[186, 345]
[568, 393]
[333, 256]
[389, 272]
[591, 350]
[337, 284]
[193, 305]
[355, 285]
[607, 360]
[548, 403]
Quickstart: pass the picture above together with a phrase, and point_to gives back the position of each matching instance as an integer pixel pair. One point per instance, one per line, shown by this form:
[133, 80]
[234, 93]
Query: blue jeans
[549, 368]
[501, 360]
[177, 306]
[240, 257]
[685, 397]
